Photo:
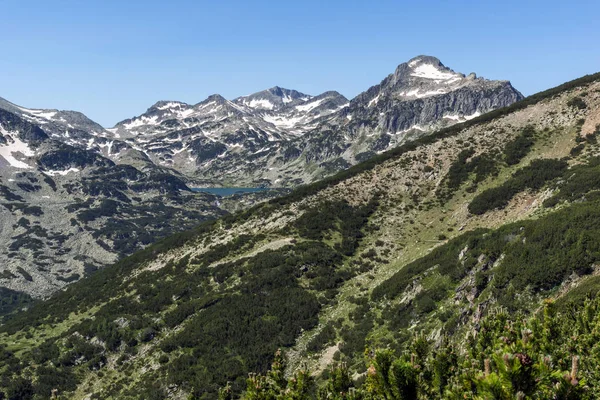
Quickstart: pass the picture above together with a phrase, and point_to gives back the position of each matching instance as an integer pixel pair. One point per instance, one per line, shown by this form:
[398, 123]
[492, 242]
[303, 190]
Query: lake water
[224, 192]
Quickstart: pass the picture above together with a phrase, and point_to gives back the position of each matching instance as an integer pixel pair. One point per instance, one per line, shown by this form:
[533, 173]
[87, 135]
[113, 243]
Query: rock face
[281, 137]
[72, 128]
[420, 96]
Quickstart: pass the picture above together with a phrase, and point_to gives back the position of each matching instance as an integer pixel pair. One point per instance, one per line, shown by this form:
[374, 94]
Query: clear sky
[113, 59]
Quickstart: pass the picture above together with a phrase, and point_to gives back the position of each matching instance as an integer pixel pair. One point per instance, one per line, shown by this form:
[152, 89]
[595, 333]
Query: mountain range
[442, 249]
[280, 137]
[76, 196]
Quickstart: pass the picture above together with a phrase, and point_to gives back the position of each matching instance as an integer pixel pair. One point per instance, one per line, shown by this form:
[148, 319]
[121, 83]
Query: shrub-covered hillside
[550, 355]
[382, 271]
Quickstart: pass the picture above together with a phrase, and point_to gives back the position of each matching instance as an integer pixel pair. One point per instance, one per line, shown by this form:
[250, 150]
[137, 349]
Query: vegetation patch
[579, 182]
[550, 356]
[520, 146]
[553, 248]
[534, 177]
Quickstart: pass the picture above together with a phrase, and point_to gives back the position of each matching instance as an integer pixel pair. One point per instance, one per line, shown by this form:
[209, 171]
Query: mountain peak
[278, 90]
[426, 67]
[216, 97]
[167, 105]
[272, 99]
[287, 93]
[424, 59]
[213, 98]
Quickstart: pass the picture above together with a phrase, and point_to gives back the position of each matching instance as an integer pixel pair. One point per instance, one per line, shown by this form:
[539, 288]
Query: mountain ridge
[287, 137]
[422, 94]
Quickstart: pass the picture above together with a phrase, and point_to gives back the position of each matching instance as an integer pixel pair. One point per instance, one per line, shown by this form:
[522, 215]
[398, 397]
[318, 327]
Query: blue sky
[113, 59]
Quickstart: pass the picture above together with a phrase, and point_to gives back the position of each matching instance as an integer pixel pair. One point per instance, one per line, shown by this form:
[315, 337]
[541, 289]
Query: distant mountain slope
[194, 139]
[70, 127]
[68, 211]
[428, 237]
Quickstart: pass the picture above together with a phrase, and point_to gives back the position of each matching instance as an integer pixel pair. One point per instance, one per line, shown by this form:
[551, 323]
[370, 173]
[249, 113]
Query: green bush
[463, 167]
[577, 102]
[580, 181]
[520, 146]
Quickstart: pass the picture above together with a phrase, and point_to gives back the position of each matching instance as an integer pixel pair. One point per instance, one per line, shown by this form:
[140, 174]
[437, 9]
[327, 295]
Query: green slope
[411, 241]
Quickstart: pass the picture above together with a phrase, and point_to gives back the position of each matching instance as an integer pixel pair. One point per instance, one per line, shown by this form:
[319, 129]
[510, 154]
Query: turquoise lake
[224, 192]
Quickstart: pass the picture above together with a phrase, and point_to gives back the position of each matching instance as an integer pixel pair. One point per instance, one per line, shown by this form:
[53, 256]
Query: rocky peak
[287, 94]
[325, 103]
[267, 131]
[272, 99]
[27, 132]
[167, 105]
[419, 62]
[56, 123]
[423, 72]
[424, 77]
[214, 98]
[331, 94]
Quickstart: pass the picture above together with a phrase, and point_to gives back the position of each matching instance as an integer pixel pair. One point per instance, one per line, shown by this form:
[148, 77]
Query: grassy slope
[336, 281]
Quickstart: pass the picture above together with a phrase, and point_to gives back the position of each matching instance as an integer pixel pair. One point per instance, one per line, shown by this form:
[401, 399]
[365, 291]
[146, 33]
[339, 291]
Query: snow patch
[460, 117]
[282, 122]
[414, 62]
[63, 173]
[39, 113]
[474, 115]
[17, 146]
[170, 105]
[180, 150]
[185, 113]
[419, 95]
[310, 106]
[414, 127]
[109, 145]
[374, 101]
[259, 103]
[141, 121]
[453, 117]
[455, 79]
[429, 71]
